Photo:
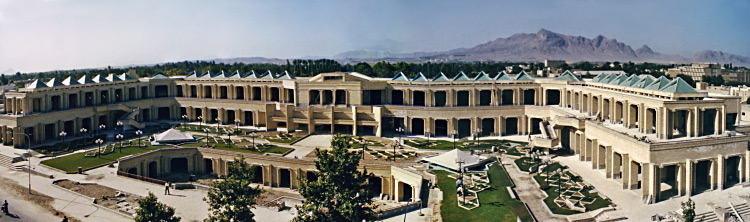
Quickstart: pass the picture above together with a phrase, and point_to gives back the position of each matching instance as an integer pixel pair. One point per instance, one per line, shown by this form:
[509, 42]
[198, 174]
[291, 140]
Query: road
[23, 210]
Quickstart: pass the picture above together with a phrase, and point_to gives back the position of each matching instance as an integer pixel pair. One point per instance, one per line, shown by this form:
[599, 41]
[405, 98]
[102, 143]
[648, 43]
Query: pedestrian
[166, 188]
[529, 137]
[65, 219]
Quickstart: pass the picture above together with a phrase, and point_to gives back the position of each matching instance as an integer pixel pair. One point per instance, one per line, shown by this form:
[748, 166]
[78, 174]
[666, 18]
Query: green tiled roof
[482, 77]
[420, 78]
[268, 75]
[658, 83]
[502, 76]
[85, 80]
[630, 80]
[252, 75]
[599, 77]
[113, 78]
[159, 76]
[400, 77]
[523, 76]
[644, 81]
[285, 75]
[236, 75]
[192, 74]
[206, 74]
[440, 78]
[221, 74]
[461, 77]
[99, 78]
[125, 76]
[568, 76]
[677, 85]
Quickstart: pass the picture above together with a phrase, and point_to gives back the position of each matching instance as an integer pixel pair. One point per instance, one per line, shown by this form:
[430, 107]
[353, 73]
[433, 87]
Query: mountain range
[543, 45]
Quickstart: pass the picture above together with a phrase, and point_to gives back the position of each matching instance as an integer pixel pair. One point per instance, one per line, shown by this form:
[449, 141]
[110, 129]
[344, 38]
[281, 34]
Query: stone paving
[529, 192]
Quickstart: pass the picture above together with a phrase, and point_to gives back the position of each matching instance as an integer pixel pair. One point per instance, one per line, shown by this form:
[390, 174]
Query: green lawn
[552, 193]
[286, 140]
[524, 165]
[70, 163]
[495, 203]
[463, 145]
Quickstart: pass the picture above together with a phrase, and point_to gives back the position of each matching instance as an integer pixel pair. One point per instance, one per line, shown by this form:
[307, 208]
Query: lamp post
[184, 118]
[83, 130]
[454, 134]
[253, 135]
[206, 130]
[200, 122]
[237, 123]
[218, 122]
[427, 130]
[138, 133]
[62, 135]
[119, 137]
[364, 146]
[99, 150]
[28, 152]
[460, 163]
[400, 130]
[101, 128]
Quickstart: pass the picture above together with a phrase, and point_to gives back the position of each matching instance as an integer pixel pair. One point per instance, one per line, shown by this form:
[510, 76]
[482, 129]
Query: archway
[153, 172]
[405, 191]
[376, 186]
[179, 165]
[285, 178]
[257, 174]
[209, 166]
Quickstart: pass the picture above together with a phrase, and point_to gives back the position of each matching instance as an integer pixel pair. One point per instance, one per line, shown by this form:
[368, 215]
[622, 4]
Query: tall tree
[150, 210]
[232, 198]
[688, 210]
[341, 192]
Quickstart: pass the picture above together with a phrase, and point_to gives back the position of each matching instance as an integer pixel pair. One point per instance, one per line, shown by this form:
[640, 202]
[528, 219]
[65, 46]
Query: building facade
[641, 131]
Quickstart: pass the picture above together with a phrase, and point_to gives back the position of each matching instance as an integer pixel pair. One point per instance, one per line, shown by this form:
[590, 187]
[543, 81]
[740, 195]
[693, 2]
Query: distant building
[597, 72]
[697, 71]
[553, 64]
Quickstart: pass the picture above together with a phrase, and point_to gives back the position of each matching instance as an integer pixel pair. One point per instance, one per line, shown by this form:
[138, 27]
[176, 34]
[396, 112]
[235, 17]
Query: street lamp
[253, 135]
[102, 127]
[218, 121]
[206, 130]
[427, 130]
[120, 125]
[28, 152]
[184, 118]
[83, 130]
[119, 137]
[237, 122]
[62, 135]
[364, 146]
[454, 133]
[200, 122]
[460, 163]
[99, 150]
[400, 130]
[139, 133]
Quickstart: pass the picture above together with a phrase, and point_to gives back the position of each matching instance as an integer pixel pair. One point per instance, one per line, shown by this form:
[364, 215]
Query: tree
[150, 210]
[688, 79]
[363, 68]
[232, 198]
[688, 210]
[714, 80]
[341, 192]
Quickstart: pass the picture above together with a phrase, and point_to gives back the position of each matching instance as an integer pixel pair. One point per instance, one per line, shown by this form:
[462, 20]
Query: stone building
[659, 137]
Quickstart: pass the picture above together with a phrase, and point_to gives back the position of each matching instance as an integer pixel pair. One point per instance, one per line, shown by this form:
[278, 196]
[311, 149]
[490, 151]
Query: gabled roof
[236, 74]
[221, 74]
[173, 135]
[53, 82]
[36, 84]
[677, 85]
[400, 77]
[85, 80]
[268, 75]
[502, 76]
[159, 75]
[482, 77]
[617, 80]
[70, 81]
[192, 74]
[599, 77]
[112, 78]
[440, 78]
[206, 74]
[420, 78]
[285, 75]
[523, 76]
[658, 84]
[449, 159]
[461, 77]
[252, 75]
[126, 77]
[630, 80]
[568, 76]
[644, 81]
[99, 79]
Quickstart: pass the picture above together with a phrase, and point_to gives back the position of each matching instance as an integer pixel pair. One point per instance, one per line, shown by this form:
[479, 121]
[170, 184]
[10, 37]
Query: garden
[567, 193]
[490, 186]
[109, 154]
[241, 144]
[509, 147]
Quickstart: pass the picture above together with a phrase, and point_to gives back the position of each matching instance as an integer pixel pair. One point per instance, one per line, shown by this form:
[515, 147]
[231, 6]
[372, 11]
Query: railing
[390, 212]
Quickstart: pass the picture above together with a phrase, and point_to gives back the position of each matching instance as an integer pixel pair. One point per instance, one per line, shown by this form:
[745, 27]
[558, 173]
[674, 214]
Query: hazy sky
[41, 35]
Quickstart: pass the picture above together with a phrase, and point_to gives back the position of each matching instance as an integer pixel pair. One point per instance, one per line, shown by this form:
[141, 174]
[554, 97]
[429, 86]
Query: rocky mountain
[546, 44]
[721, 57]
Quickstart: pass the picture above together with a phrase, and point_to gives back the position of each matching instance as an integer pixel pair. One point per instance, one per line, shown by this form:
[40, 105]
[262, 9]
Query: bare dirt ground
[41, 200]
[105, 196]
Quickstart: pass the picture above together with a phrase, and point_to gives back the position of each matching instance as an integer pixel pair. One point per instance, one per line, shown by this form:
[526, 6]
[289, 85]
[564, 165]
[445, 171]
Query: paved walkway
[629, 203]
[308, 145]
[529, 192]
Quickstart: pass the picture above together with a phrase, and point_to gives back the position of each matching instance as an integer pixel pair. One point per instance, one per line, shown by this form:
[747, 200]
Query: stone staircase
[6, 161]
[726, 213]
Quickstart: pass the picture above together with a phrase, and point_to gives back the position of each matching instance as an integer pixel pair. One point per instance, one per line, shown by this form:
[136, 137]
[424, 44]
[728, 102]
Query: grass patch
[552, 193]
[463, 145]
[525, 163]
[263, 149]
[70, 163]
[495, 202]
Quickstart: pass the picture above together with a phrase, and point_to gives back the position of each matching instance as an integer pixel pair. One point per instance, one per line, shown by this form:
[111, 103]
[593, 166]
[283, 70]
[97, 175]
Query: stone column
[609, 162]
[633, 177]
[720, 172]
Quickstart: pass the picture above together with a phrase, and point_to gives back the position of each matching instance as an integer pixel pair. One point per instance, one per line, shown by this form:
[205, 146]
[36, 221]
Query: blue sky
[40, 35]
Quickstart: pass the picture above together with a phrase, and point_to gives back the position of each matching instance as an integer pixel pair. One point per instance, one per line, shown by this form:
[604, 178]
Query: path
[529, 192]
[307, 145]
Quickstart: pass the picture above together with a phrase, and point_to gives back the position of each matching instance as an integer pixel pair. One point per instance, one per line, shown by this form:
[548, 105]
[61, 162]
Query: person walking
[166, 188]
[65, 219]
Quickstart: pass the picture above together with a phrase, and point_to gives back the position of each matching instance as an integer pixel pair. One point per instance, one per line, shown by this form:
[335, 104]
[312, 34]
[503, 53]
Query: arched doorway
[258, 174]
[152, 171]
[376, 186]
[179, 165]
[406, 192]
[285, 179]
